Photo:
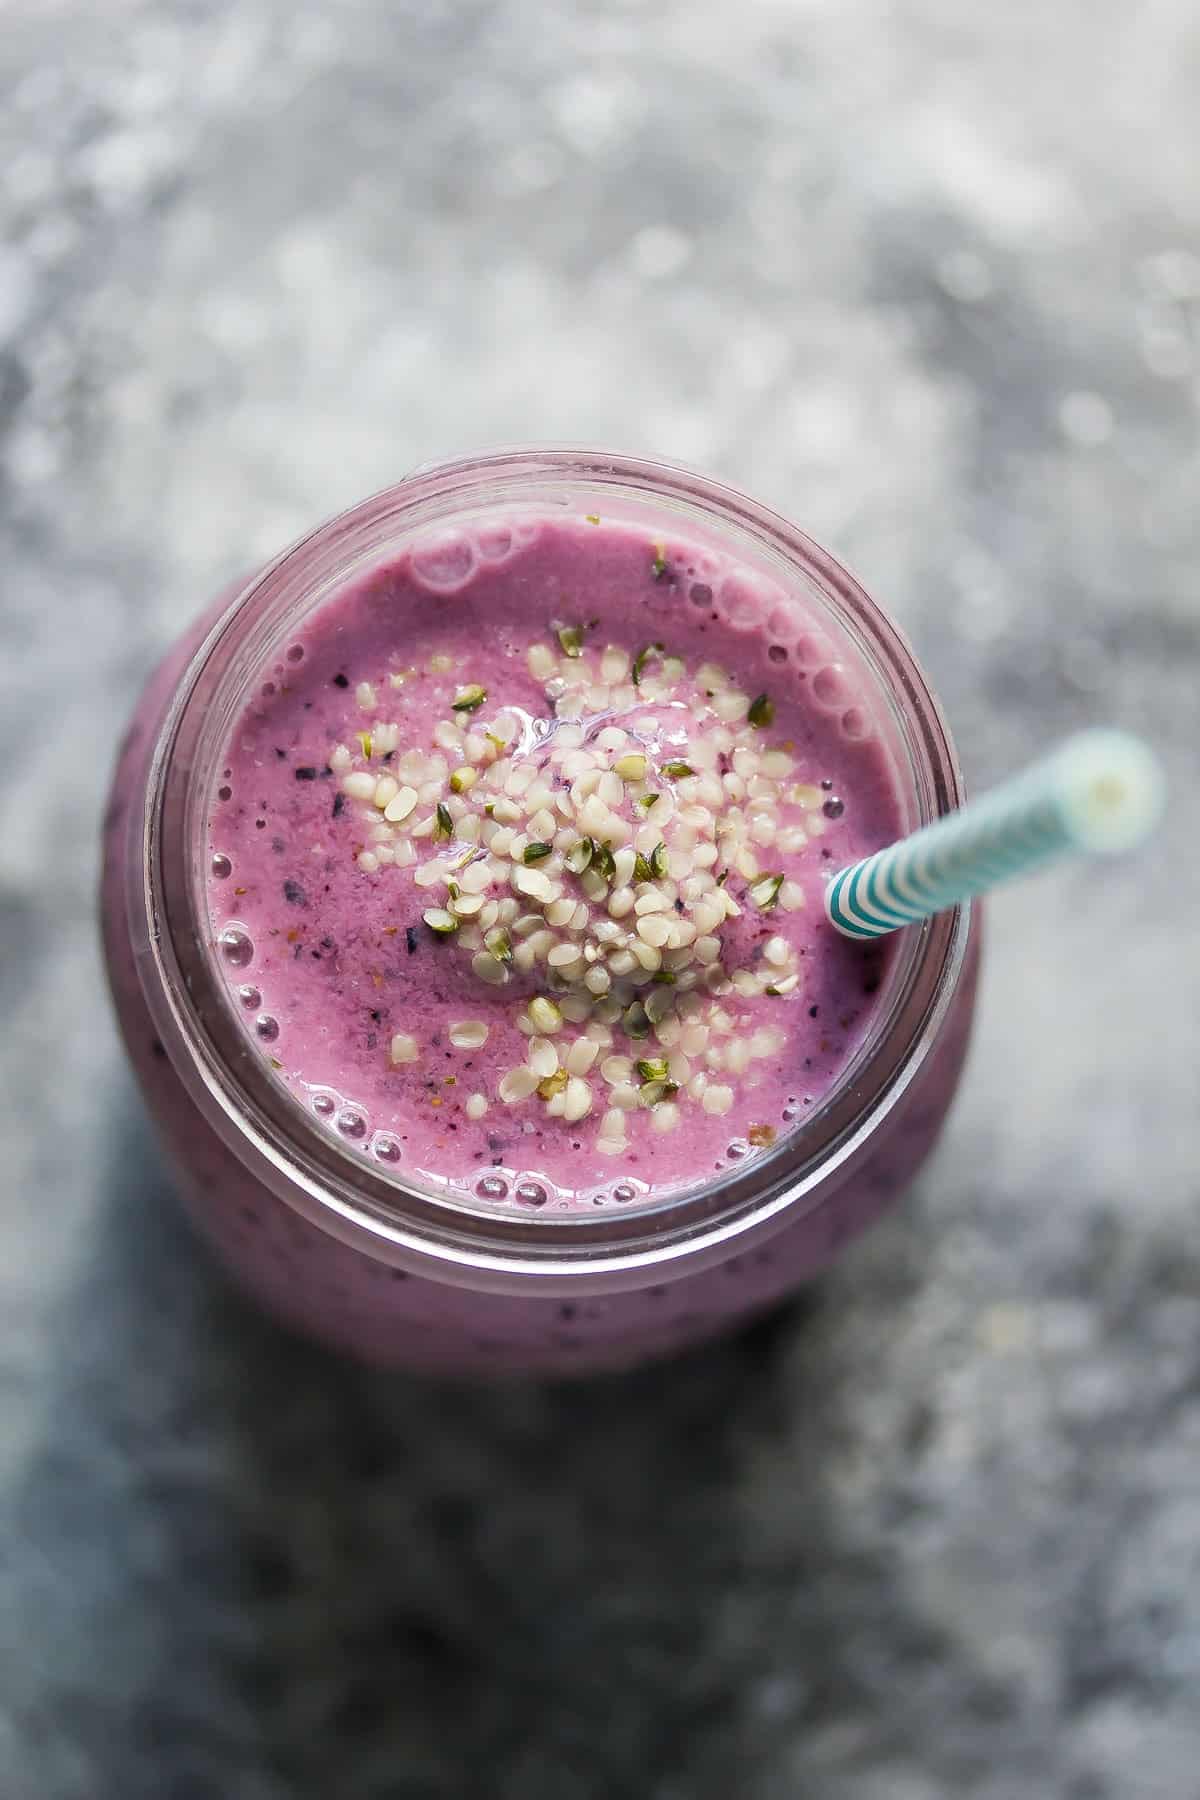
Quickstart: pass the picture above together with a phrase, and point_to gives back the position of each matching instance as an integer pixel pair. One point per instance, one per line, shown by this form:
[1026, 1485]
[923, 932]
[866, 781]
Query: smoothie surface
[517, 856]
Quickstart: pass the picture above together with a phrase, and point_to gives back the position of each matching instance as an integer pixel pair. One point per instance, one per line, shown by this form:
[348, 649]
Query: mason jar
[362, 1254]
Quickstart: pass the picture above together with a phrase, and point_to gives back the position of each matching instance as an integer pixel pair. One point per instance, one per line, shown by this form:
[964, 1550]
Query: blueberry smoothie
[516, 860]
[462, 908]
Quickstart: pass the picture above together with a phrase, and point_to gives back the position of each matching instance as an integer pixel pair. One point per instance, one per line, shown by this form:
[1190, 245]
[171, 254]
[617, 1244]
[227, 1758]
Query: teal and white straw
[1099, 793]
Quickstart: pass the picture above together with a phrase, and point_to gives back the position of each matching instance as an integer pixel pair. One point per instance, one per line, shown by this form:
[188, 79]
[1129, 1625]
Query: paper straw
[1099, 793]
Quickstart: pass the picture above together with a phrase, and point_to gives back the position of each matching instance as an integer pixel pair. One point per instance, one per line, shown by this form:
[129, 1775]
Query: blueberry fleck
[341, 681]
[294, 894]
[305, 773]
[339, 803]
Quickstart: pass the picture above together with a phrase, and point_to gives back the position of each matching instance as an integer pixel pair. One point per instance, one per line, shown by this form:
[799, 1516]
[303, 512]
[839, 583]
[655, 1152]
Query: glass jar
[357, 1254]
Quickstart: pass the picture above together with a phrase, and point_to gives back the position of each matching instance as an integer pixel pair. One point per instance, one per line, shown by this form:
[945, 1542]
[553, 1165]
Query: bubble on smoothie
[295, 653]
[444, 562]
[625, 1191]
[810, 650]
[855, 724]
[236, 946]
[267, 1028]
[741, 602]
[250, 997]
[386, 1147]
[777, 654]
[531, 1193]
[492, 1187]
[737, 1149]
[351, 1123]
[785, 622]
[829, 686]
[494, 539]
[225, 793]
[221, 867]
[324, 1105]
[700, 594]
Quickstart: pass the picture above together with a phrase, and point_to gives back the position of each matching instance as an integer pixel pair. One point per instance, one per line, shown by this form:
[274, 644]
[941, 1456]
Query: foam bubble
[351, 1123]
[494, 541]
[221, 867]
[491, 1187]
[785, 622]
[444, 562]
[531, 1193]
[386, 1147]
[829, 686]
[236, 946]
[855, 724]
[741, 602]
[267, 1028]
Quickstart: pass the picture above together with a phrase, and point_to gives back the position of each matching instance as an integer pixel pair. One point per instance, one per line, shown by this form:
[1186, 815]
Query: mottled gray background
[927, 276]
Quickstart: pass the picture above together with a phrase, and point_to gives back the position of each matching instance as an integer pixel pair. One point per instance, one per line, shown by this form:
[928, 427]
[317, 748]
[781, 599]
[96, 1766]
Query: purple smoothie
[420, 843]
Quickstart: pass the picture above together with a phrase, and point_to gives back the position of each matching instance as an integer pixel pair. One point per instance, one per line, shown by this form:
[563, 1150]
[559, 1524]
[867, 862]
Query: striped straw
[1098, 793]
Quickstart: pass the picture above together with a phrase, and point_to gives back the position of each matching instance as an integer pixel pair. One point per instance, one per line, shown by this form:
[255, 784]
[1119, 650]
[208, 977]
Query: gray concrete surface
[927, 276]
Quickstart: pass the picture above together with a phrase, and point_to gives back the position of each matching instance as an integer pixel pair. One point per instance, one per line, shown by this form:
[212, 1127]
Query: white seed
[659, 1002]
[616, 1069]
[485, 967]
[465, 906]
[717, 1099]
[787, 984]
[777, 951]
[404, 1049]
[545, 1015]
[649, 956]
[364, 694]
[476, 1106]
[578, 1099]
[745, 982]
[339, 759]
[517, 1085]
[597, 980]
[562, 956]
[533, 884]
[359, 786]
[625, 1096]
[542, 1057]
[665, 1116]
[621, 902]
[806, 797]
[468, 1034]
[368, 861]
[622, 962]
[560, 911]
[816, 826]
[650, 900]
[541, 661]
[581, 1056]
[385, 787]
[654, 929]
[476, 878]
[575, 1007]
[610, 789]
[737, 1056]
[693, 1039]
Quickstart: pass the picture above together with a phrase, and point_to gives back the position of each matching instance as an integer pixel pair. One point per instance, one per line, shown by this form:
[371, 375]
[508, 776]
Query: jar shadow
[274, 1572]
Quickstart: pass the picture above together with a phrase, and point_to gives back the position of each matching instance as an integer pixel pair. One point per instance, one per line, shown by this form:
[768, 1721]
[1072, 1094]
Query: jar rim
[377, 1210]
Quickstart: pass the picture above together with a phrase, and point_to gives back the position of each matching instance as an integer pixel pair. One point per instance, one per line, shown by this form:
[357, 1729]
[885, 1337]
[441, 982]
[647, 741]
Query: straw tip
[1114, 788]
